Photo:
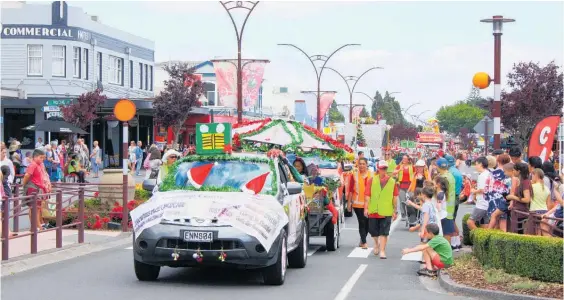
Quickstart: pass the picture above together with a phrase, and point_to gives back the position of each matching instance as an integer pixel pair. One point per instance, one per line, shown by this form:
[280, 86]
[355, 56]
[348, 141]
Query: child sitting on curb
[437, 253]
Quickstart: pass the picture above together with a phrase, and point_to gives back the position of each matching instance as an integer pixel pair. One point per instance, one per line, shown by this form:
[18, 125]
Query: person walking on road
[139, 158]
[380, 206]
[405, 174]
[356, 198]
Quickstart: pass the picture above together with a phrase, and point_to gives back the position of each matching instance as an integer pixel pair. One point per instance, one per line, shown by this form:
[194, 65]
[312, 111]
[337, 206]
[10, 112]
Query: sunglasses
[173, 157]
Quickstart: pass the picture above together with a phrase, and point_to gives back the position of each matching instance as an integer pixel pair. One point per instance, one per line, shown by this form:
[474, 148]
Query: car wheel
[275, 274]
[145, 272]
[332, 236]
[298, 257]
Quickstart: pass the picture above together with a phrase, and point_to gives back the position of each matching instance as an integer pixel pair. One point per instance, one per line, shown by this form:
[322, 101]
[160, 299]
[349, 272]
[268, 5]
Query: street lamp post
[249, 6]
[497, 22]
[355, 79]
[312, 59]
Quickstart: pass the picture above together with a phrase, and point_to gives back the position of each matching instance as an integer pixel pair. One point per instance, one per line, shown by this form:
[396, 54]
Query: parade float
[431, 137]
[323, 194]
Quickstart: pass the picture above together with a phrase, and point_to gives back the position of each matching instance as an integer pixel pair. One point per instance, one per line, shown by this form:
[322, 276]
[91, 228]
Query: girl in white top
[132, 156]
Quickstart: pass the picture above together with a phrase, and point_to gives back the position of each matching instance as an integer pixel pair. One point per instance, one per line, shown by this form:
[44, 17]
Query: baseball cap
[420, 163]
[450, 160]
[382, 164]
[442, 163]
[440, 153]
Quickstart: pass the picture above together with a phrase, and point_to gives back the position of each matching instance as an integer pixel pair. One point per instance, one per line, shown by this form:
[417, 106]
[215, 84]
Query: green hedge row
[466, 231]
[536, 257]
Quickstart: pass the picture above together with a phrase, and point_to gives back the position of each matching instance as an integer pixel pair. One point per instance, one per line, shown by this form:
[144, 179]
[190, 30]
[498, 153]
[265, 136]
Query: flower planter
[112, 194]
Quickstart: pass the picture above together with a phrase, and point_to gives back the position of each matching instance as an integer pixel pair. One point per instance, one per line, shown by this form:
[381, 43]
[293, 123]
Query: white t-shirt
[481, 202]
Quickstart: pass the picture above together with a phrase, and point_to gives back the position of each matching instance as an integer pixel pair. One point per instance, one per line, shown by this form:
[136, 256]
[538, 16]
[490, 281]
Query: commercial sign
[53, 114]
[50, 108]
[540, 143]
[61, 102]
[429, 137]
[45, 32]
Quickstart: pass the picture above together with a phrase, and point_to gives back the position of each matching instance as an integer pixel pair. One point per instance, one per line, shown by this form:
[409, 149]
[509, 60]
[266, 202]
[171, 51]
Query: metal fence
[15, 207]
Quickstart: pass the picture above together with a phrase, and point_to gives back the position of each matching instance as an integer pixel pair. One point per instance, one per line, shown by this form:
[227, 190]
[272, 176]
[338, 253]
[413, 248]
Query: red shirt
[37, 174]
[406, 183]
[368, 192]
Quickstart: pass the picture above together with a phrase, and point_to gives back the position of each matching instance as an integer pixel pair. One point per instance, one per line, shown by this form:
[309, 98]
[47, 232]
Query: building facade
[52, 53]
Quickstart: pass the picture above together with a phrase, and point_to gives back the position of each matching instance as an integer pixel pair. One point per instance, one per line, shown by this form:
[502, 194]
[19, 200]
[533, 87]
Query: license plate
[198, 236]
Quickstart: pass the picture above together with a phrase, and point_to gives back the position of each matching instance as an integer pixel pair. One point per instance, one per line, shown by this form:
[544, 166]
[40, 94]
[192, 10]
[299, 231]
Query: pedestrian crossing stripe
[129, 248]
[360, 253]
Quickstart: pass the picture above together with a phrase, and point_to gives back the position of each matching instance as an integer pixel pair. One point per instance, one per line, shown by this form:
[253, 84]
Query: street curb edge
[449, 285]
[51, 256]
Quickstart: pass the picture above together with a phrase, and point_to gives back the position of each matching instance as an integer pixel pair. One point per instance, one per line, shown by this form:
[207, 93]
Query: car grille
[215, 245]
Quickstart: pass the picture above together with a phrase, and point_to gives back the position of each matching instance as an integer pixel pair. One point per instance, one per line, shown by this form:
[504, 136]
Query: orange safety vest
[358, 193]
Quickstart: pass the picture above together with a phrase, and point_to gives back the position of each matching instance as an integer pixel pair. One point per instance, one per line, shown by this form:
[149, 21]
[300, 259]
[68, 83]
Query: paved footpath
[348, 273]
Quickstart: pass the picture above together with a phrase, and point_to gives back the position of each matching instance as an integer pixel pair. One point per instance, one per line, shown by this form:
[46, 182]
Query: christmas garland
[338, 150]
[169, 183]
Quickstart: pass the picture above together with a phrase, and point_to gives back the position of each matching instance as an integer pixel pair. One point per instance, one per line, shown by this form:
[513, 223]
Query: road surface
[348, 273]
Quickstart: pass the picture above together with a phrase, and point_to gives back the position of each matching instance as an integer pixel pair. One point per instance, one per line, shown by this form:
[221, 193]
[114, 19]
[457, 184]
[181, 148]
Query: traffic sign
[50, 108]
[61, 102]
[480, 128]
[54, 114]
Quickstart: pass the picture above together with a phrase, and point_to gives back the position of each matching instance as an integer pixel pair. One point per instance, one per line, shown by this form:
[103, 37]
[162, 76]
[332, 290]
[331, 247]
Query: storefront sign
[50, 109]
[62, 102]
[45, 32]
[19, 111]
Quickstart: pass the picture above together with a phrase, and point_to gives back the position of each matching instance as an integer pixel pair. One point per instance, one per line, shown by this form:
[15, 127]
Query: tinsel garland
[169, 183]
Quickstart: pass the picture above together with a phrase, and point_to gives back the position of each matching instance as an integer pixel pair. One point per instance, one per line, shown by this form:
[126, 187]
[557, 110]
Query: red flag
[325, 100]
[540, 143]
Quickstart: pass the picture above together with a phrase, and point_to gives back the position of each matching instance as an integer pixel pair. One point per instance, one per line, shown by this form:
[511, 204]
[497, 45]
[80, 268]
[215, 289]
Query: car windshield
[224, 176]
[322, 164]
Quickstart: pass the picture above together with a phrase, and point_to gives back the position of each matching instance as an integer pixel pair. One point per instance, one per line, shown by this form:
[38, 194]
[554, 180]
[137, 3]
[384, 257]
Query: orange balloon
[481, 80]
[125, 110]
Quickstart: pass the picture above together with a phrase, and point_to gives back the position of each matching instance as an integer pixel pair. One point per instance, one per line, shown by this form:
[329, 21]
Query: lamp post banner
[226, 80]
[252, 79]
[356, 111]
[326, 100]
[540, 142]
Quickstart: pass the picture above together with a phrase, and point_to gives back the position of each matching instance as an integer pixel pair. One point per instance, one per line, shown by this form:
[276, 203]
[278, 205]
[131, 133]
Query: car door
[291, 205]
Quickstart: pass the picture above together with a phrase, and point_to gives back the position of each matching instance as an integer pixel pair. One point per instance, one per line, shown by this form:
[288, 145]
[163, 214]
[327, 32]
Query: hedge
[536, 257]
[466, 231]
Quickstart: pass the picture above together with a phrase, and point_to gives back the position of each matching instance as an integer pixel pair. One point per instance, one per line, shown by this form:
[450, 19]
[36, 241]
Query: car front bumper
[159, 244]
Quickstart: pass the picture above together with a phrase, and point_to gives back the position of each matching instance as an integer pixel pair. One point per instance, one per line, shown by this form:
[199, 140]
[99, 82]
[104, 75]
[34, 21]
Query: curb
[449, 285]
[51, 256]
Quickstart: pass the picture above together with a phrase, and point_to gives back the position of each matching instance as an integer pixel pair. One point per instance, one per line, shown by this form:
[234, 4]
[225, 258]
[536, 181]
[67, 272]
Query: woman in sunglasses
[169, 158]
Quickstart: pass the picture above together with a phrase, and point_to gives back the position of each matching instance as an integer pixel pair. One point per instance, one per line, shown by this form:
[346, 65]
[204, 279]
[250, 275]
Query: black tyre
[298, 257]
[145, 272]
[276, 274]
[332, 236]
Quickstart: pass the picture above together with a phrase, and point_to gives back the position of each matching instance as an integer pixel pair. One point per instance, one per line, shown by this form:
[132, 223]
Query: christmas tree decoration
[360, 140]
[198, 256]
[255, 185]
[197, 175]
[222, 255]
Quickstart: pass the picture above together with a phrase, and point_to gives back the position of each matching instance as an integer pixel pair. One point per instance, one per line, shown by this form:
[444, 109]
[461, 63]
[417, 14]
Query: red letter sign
[540, 143]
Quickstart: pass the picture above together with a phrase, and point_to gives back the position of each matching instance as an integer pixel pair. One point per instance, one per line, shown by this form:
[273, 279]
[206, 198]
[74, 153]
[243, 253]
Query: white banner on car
[260, 216]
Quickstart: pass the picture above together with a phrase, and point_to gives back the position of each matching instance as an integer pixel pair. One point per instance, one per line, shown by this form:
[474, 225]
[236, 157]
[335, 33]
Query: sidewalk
[47, 240]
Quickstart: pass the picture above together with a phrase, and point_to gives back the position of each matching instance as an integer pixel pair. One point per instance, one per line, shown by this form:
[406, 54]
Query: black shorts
[379, 227]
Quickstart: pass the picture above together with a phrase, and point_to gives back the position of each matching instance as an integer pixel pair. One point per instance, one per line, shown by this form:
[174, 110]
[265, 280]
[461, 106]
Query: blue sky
[429, 50]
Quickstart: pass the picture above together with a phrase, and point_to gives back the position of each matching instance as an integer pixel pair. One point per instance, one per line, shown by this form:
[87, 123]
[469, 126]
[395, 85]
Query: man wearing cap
[458, 190]
[447, 223]
[380, 206]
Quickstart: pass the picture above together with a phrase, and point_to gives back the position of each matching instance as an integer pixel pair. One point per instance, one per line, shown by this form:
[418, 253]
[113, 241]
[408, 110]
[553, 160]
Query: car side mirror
[294, 188]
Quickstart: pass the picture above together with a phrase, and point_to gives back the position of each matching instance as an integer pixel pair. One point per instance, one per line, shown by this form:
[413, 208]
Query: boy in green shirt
[437, 253]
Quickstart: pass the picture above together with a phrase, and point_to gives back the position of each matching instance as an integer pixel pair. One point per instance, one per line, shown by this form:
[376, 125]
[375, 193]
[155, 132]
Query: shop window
[85, 64]
[59, 63]
[99, 65]
[116, 70]
[131, 74]
[35, 60]
[151, 76]
[140, 76]
[18, 118]
[146, 77]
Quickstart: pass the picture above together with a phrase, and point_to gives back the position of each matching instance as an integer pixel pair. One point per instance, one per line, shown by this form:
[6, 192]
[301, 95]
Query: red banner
[325, 100]
[540, 143]
[429, 137]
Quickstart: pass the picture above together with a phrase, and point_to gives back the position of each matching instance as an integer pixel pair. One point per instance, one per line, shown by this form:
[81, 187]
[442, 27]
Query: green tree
[335, 115]
[360, 140]
[452, 118]
[364, 113]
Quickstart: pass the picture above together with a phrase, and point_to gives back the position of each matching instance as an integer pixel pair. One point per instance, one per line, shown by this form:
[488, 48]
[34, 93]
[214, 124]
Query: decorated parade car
[223, 208]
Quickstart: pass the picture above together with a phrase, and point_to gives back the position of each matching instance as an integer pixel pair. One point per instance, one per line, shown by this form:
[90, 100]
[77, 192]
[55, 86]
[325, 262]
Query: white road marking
[350, 229]
[350, 283]
[312, 250]
[360, 253]
[129, 248]
[393, 226]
